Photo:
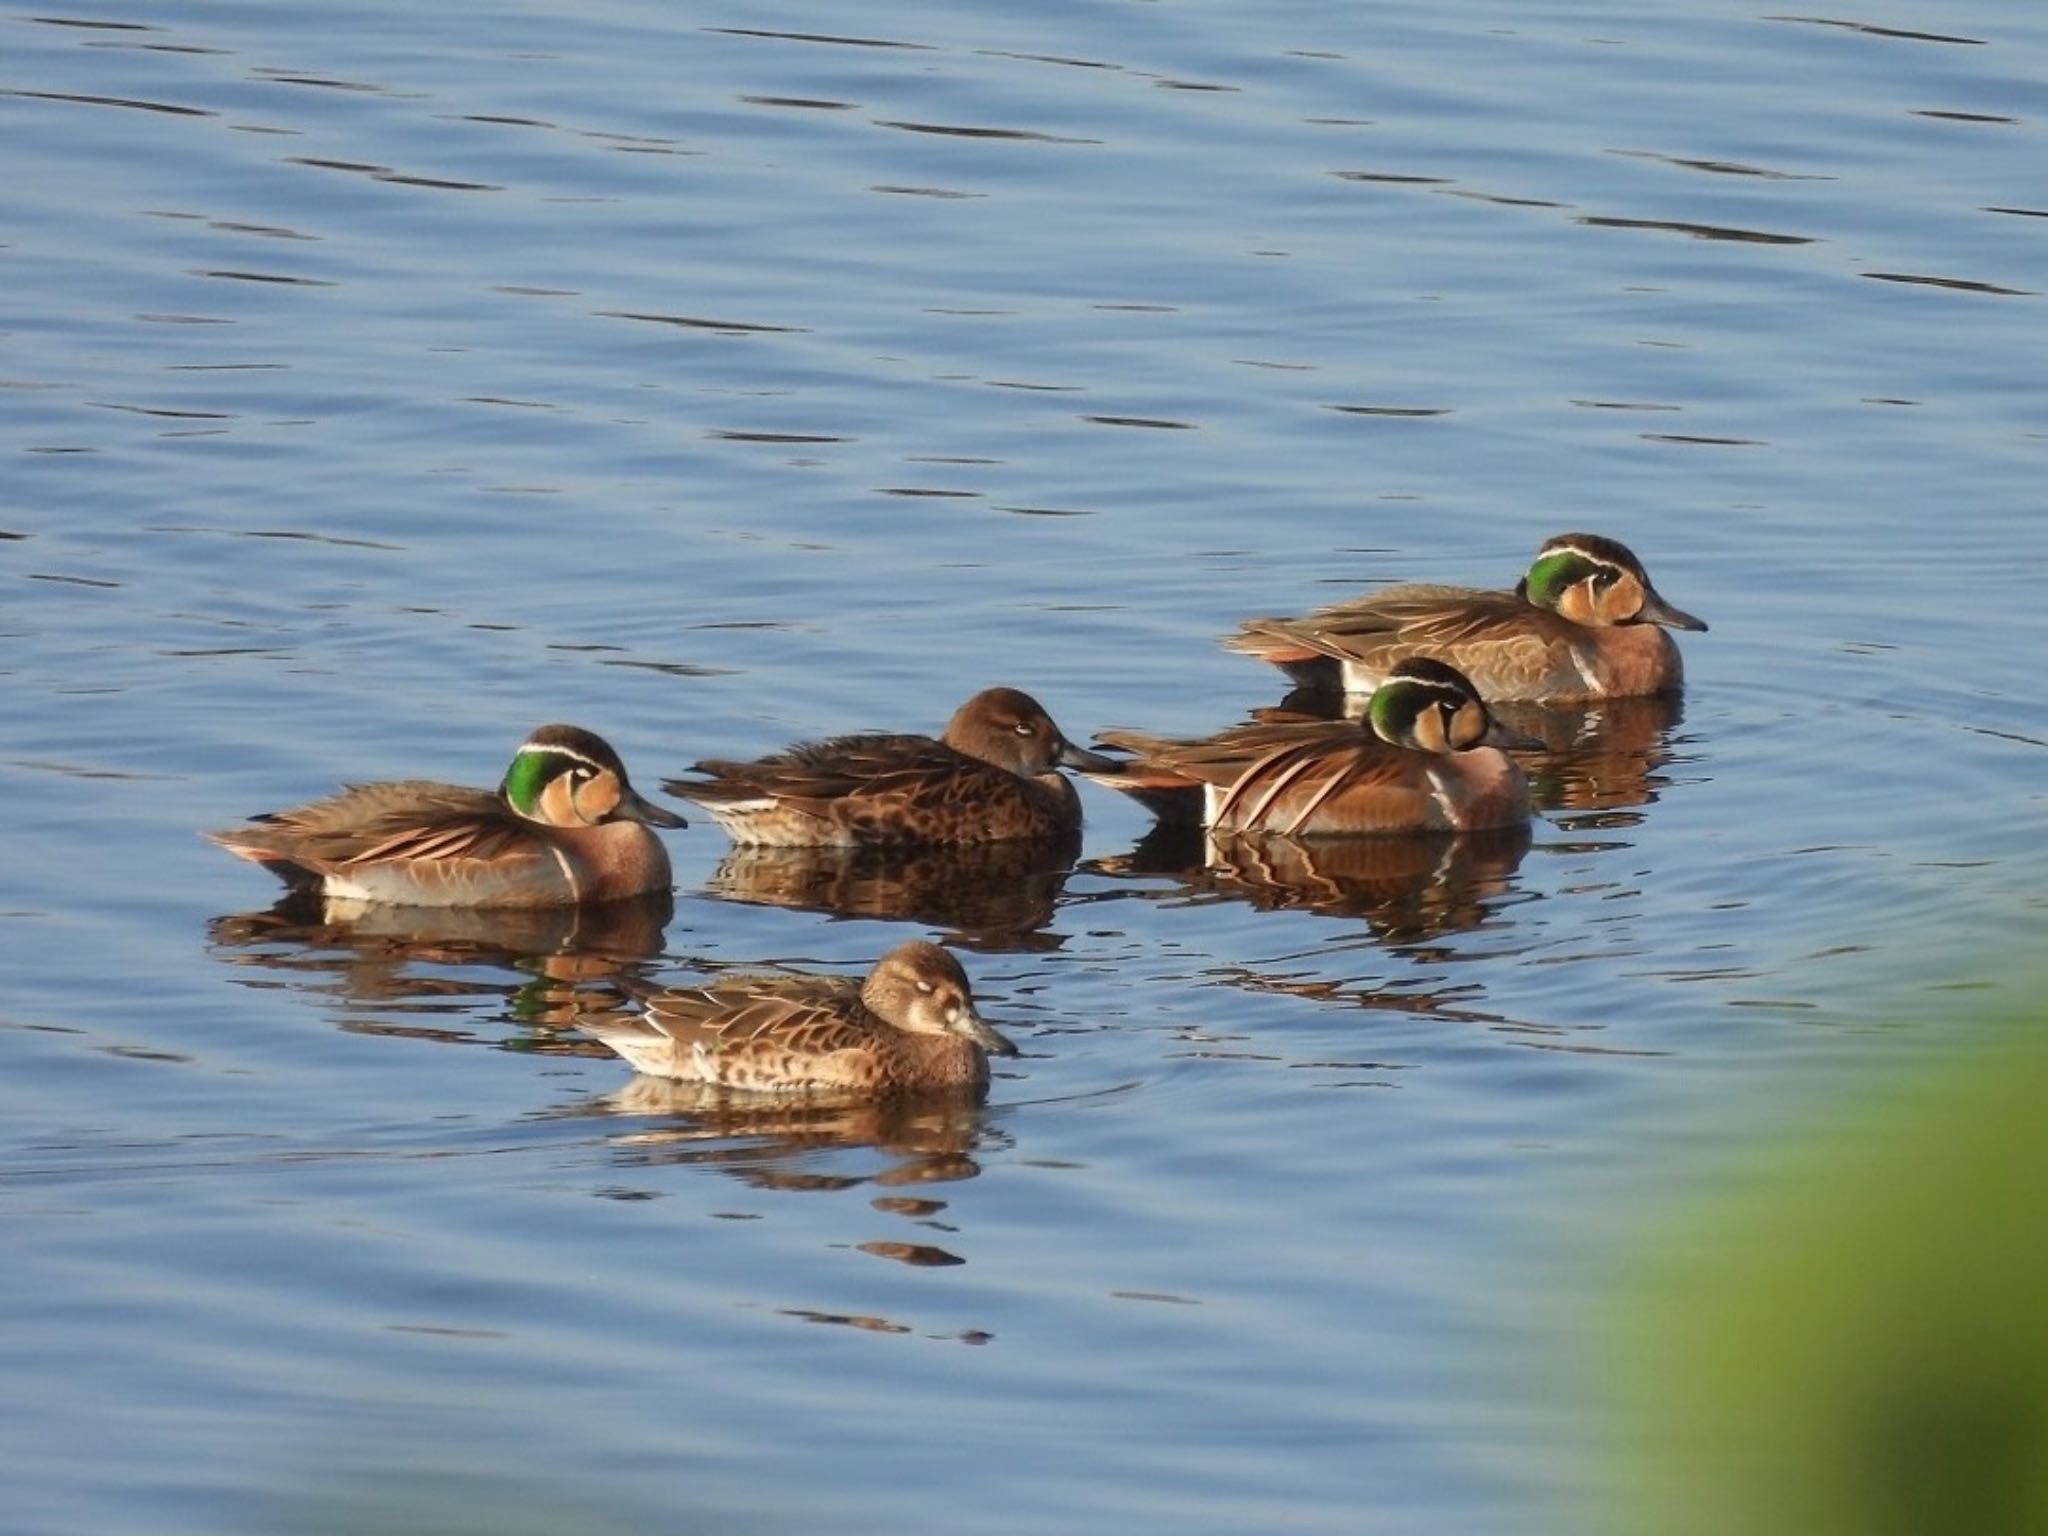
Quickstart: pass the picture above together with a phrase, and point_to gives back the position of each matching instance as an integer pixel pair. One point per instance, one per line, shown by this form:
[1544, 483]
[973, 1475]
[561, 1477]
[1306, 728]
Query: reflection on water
[438, 960]
[1405, 887]
[924, 1139]
[989, 896]
[1604, 756]
[806, 1147]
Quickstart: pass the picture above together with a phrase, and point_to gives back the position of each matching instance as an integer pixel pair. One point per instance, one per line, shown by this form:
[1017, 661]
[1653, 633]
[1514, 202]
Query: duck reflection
[1603, 756]
[985, 896]
[1607, 756]
[1405, 887]
[925, 1139]
[544, 966]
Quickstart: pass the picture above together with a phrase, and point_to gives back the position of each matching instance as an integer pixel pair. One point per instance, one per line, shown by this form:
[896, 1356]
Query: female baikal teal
[564, 828]
[1584, 624]
[991, 778]
[910, 1026]
[1427, 759]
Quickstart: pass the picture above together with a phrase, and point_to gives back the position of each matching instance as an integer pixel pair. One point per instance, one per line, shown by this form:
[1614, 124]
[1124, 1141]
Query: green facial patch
[1554, 574]
[1391, 710]
[1397, 705]
[531, 772]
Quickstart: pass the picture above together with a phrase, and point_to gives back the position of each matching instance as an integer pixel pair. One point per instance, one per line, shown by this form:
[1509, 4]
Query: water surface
[381, 385]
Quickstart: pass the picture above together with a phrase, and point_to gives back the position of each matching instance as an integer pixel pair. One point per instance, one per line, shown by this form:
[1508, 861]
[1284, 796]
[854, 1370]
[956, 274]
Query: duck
[909, 1026]
[989, 778]
[1584, 624]
[564, 828]
[1428, 757]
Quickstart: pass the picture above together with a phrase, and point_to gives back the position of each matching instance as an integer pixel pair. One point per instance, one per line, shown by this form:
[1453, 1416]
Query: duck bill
[1071, 756]
[637, 807]
[1656, 611]
[977, 1029]
[1510, 740]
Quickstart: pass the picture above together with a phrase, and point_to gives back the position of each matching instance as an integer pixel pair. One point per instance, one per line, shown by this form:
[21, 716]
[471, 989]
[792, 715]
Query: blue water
[383, 383]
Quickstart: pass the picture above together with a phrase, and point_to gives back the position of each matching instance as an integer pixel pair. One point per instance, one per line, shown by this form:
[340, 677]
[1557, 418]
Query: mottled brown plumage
[991, 778]
[1583, 625]
[910, 1025]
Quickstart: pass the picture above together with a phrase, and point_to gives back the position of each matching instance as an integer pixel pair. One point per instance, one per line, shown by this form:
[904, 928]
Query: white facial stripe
[551, 749]
[1582, 552]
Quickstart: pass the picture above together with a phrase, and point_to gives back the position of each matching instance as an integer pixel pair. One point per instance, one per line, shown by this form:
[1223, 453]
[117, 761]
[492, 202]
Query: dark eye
[583, 775]
[925, 987]
[1023, 728]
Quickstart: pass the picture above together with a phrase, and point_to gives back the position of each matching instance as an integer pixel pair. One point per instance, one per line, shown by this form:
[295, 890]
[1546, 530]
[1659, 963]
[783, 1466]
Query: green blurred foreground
[1857, 1343]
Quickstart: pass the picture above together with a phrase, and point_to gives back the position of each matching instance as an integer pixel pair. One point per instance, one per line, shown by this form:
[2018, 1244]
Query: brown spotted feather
[880, 789]
[783, 1034]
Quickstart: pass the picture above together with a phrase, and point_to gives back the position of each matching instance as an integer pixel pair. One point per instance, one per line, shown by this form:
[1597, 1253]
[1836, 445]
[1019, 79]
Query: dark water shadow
[1404, 887]
[997, 897]
[540, 970]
